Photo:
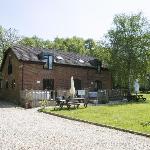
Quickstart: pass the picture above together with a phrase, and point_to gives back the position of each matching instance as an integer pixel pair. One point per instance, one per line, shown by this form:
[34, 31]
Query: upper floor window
[9, 67]
[48, 62]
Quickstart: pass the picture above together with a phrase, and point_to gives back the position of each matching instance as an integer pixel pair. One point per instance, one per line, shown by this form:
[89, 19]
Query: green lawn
[127, 116]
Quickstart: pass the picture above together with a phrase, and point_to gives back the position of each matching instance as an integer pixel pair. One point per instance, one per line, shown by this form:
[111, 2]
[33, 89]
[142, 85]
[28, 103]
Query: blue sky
[66, 18]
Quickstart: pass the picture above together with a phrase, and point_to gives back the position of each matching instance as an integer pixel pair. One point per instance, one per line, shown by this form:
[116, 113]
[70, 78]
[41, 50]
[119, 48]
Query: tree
[8, 37]
[102, 53]
[90, 46]
[129, 43]
[36, 42]
[74, 44]
[59, 43]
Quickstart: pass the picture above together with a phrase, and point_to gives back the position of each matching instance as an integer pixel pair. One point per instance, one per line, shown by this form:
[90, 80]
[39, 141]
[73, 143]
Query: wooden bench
[75, 104]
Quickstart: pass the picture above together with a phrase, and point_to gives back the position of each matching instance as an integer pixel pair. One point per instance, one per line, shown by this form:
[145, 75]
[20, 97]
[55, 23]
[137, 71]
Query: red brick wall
[31, 73]
[62, 76]
[10, 93]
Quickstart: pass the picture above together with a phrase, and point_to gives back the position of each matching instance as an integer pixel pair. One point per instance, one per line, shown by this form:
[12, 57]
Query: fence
[36, 95]
[116, 94]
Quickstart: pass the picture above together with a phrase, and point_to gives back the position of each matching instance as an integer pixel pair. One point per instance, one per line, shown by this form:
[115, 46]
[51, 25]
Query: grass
[129, 116]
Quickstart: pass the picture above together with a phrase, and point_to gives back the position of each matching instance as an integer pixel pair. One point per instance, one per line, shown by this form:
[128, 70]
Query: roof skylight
[81, 61]
[59, 57]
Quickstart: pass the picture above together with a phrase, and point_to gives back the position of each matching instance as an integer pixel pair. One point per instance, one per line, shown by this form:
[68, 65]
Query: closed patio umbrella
[72, 89]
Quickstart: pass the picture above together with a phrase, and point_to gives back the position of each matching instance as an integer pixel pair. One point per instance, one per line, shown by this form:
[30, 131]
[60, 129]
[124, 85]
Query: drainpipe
[22, 75]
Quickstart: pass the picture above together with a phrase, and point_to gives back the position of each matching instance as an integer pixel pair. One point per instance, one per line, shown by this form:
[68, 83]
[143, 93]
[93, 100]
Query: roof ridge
[31, 54]
[52, 49]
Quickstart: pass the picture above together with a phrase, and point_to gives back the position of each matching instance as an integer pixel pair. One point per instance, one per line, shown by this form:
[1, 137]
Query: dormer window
[98, 68]
[48, 59]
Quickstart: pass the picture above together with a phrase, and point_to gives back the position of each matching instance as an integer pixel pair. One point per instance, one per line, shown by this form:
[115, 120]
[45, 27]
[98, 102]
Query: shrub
[103, 100]
[43, 103]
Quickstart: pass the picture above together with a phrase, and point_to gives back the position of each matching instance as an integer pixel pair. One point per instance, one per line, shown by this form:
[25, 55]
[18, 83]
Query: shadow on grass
[58, 109]
[127, 103]
[71, 109]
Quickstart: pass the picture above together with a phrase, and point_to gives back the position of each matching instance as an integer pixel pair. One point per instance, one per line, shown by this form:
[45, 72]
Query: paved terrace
[22, 129]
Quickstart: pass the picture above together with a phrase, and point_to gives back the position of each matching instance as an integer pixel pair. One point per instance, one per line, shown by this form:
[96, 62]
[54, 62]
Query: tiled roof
[60, 57]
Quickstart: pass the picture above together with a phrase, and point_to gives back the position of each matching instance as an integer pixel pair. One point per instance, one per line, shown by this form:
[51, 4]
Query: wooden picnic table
[71, 102]
[138, 97]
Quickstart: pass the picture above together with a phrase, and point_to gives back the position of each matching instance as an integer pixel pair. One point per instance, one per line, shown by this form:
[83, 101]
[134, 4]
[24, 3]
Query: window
[98, 85]
[59, 57]
[9, 67]
[98, 68]
[7, 85]
[81, 61]
[48, 84]
[77, 84]
[1, 84]
[13, 84]
[48, 62]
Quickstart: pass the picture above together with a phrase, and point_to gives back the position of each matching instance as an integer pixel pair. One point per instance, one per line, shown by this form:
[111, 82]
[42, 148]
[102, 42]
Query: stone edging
[98, 124]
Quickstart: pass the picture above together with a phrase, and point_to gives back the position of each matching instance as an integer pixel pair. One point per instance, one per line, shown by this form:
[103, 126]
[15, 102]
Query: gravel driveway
[22, 129]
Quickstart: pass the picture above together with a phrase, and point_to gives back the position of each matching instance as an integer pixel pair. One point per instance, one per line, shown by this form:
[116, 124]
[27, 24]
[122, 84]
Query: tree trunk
[129, 83]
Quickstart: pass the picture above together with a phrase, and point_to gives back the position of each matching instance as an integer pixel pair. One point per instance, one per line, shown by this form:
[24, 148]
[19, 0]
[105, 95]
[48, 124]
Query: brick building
[39, 69]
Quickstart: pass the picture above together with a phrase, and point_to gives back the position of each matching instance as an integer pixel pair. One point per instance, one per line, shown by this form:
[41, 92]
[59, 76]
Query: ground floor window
[98, 85]
[77, 84]
[48, 84]
[0, 84]
[13, 84]
[7, 85]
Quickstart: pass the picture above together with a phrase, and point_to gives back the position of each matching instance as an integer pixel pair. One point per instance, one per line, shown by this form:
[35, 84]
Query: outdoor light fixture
[38, 82]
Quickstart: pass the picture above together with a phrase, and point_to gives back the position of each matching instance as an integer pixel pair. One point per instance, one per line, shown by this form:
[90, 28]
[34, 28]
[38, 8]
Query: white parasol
[72, 89]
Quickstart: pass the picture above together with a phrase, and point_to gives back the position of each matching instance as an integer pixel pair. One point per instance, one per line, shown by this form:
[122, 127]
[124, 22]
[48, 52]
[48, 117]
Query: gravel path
[22, 129]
